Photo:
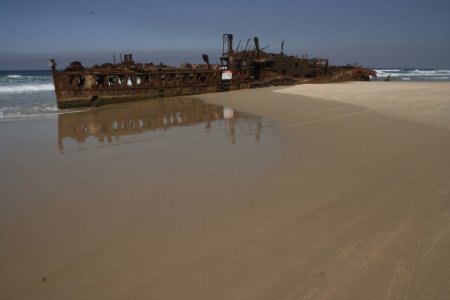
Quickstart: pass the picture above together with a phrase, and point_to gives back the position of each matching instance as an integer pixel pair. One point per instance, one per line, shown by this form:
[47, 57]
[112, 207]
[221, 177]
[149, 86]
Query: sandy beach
[423, 102]
[335, 191]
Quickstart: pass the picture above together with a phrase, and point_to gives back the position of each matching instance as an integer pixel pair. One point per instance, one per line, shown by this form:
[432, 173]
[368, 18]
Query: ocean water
[413, 74]
[30, 94]
[26, 94]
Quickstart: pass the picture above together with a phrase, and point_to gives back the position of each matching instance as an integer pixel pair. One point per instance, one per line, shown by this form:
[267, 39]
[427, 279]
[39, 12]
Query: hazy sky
[382, 33]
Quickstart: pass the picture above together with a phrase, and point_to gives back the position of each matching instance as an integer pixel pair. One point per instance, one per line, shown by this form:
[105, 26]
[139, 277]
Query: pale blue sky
[383, 33]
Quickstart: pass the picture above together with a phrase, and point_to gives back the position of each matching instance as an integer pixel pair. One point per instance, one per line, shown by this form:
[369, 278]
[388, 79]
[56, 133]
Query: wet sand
[316, 200]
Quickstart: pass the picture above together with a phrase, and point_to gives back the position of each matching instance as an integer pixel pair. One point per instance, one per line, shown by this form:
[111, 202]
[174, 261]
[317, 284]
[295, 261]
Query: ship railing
[126, 80]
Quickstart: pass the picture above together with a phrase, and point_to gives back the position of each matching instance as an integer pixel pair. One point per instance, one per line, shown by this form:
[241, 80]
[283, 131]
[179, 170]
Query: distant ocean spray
[30, 94]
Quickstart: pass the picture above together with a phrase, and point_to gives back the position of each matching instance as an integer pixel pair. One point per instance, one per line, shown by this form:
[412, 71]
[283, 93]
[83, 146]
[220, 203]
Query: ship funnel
[257, 45]
[228, 43]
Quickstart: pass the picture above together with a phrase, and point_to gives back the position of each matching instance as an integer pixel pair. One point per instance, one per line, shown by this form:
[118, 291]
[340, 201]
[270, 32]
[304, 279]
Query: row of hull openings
[91, 81]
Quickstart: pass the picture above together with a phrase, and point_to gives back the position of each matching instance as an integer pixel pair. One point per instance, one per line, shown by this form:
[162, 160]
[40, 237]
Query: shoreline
[320, 200]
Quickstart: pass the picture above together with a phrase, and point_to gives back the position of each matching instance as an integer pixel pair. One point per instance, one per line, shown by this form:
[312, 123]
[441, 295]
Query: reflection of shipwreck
[114, 124]
[240, 68]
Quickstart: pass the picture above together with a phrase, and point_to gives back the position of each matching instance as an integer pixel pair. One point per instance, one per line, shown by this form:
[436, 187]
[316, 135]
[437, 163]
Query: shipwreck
[239, 68]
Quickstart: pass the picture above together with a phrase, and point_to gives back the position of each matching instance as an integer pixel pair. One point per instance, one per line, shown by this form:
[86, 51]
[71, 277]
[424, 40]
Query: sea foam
[26, 88]
[27, 112]
[14, 76]
[414, 74]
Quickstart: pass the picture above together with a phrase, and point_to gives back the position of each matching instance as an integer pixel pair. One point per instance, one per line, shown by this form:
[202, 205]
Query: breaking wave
[414, 74]
[14, 76]
[25, 82]
[26, 88]
[24, 112]
[26, 94]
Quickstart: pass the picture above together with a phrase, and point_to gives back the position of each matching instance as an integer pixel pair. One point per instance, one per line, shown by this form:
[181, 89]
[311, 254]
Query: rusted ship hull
[77, 86]
[78, 89]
